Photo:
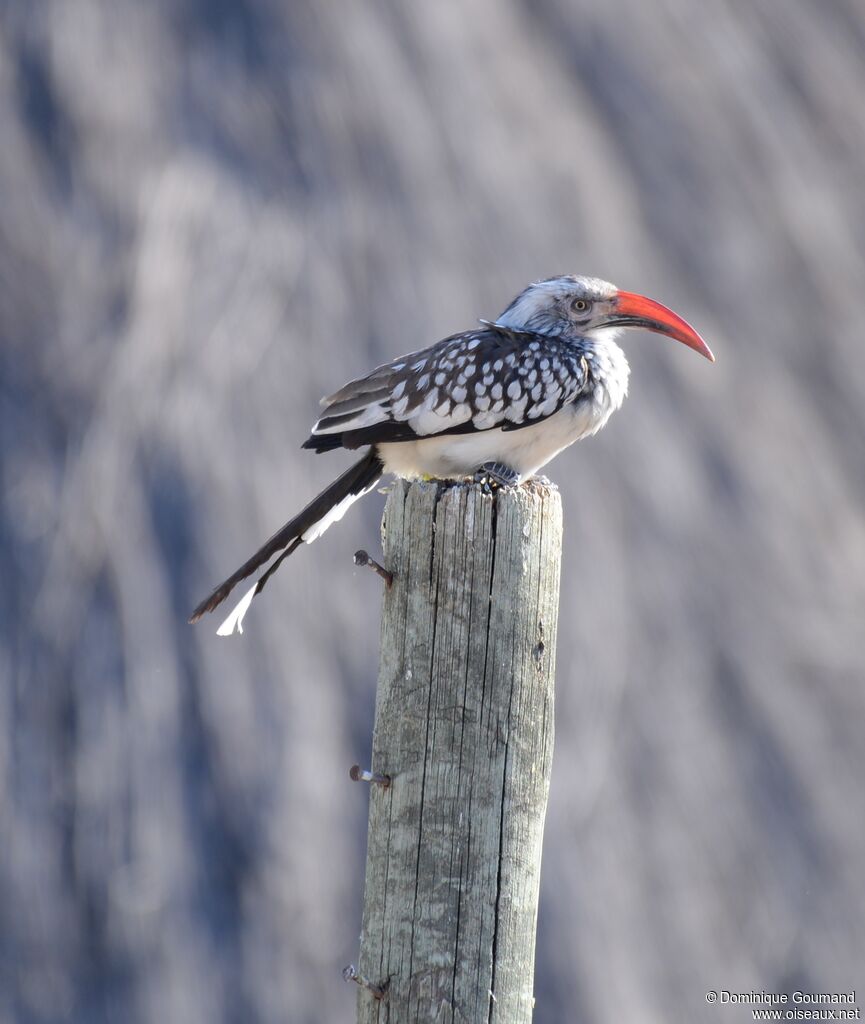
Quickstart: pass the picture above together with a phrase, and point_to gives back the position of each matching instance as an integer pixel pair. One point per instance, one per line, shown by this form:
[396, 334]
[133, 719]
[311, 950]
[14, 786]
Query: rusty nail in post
[362, 558]
[358, 774]
[350, 974]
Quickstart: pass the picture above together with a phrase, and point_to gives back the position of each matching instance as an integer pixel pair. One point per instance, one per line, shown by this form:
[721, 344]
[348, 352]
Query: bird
[493, 405]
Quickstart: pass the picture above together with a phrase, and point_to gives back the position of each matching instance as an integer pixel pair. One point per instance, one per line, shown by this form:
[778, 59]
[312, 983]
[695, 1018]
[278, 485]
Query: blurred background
[212, 213]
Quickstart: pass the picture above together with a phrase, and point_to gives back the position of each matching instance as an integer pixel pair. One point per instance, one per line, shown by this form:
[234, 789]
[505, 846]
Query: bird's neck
[607, 363]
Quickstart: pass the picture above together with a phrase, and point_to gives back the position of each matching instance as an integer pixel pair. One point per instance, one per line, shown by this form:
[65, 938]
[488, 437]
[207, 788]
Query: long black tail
[327, 508]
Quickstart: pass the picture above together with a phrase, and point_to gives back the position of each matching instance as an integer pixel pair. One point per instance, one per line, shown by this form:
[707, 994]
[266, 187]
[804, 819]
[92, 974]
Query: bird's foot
[494, 475]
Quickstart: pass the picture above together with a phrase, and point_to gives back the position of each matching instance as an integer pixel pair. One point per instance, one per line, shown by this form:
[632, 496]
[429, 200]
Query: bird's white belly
[525, 450]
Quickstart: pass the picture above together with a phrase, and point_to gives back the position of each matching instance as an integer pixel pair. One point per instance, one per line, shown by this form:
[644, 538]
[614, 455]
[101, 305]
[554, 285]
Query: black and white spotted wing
[481, 380]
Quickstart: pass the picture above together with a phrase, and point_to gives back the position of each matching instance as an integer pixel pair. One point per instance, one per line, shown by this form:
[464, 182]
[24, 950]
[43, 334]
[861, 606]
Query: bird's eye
[580, 305]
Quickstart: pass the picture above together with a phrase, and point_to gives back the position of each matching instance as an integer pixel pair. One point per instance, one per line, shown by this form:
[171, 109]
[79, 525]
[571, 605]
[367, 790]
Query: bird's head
[587, 306]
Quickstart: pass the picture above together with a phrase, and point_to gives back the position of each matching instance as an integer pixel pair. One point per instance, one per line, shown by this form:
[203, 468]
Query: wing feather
[481, 380]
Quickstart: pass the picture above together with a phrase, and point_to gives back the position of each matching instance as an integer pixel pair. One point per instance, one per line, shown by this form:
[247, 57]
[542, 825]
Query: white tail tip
[234, 622]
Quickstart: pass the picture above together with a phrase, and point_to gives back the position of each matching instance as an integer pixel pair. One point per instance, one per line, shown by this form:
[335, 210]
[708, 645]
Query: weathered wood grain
[464, 726]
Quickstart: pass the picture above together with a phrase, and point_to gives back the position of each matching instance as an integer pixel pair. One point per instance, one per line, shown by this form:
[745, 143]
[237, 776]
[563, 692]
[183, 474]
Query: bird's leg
[493, 475]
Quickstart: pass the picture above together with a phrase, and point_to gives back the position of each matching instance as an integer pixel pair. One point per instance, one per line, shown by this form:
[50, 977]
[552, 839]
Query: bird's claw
[494, 475]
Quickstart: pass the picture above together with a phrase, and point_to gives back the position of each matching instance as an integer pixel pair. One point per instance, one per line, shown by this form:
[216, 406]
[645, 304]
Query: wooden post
[464, 728]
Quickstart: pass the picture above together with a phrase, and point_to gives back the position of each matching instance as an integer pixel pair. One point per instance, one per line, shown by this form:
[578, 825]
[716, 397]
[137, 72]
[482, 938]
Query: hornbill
[494, 404]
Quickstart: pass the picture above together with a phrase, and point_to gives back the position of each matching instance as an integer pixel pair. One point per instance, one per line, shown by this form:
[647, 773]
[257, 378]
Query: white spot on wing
[514, 412]
[485, 420]
[548, 407]
[428, 421]
[365, 417]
